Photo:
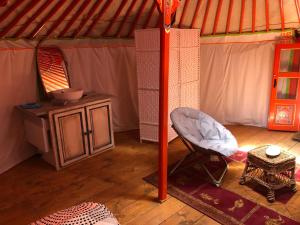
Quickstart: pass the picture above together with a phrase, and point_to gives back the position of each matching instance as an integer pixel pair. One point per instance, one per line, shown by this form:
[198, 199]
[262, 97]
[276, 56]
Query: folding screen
[184, 77]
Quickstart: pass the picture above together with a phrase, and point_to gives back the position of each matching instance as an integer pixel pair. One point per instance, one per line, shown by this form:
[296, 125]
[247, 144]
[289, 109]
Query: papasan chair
[203, 135]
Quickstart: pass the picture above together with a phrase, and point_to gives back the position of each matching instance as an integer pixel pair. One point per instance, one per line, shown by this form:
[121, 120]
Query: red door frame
[273, 99]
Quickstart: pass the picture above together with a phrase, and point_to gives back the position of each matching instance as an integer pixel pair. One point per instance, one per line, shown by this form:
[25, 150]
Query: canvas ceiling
[119, 18]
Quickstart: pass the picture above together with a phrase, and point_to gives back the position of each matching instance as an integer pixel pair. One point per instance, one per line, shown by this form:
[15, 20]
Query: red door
[285, 95]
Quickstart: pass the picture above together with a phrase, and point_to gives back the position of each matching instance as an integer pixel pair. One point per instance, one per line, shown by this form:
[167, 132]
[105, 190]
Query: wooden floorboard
[34, 189]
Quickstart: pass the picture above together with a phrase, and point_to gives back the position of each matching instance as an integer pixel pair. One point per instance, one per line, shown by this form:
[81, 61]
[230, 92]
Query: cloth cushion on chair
[204, 131]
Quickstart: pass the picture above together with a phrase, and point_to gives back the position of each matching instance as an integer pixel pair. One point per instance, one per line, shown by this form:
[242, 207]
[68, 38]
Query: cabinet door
[99, 122]
[71, 134]
[285, 92]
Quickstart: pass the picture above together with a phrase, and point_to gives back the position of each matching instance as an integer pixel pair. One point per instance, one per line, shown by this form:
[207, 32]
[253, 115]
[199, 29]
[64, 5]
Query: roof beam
[97, 18]
[267, 15]
[205, 16]
[3, 3]
[13, 7]
[32, 18]
[282, 14]
[75, 16]
[150, 15]
[88, 16]
[125, 18]
[46, 18]
[196, 14]
[27, 9]
[242, 16]
[217, 16]
[185, 6]
[119, 10]
[62, 17]
[253, 14]
[137, 17]
[229, 14]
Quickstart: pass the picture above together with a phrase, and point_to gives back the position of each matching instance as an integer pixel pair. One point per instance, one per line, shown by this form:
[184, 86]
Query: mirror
[52, 69]
[289, 60]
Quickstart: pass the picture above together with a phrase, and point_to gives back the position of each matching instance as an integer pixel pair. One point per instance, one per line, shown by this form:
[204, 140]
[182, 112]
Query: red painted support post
[62, 17]
[32, 18]
[146, 24]
[229, 16]
[196, 14]
[46, 18]
[282, 14]
[125, 18]
[98, 17]
[267, 15]
[242, 16]
[137, 17]
[217, 16]
[185, 6]
[87, 17]
[163, 103]
[119, 10]
[253, 14]
[27, 9]
[298, 9]
[75, 16]
[13, 7]
[205, 17]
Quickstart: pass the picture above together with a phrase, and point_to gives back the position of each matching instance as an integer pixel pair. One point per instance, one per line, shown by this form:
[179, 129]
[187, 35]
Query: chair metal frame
[194, 150]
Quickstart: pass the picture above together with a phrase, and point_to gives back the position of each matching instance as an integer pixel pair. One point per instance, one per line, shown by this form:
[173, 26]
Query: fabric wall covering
[235, 81]
[236, 74]
[94, 65]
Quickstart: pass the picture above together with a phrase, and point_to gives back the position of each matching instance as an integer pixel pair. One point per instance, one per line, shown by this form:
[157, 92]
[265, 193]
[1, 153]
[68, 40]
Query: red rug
[189, 185]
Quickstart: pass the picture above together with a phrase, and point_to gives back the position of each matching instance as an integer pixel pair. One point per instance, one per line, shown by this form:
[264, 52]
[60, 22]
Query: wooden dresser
[69, 133]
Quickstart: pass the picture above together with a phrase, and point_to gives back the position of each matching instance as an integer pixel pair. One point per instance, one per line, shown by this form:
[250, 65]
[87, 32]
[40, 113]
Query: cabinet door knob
[90, 131]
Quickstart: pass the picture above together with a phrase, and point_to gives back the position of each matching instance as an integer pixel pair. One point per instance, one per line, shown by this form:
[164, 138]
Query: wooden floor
[33, 189]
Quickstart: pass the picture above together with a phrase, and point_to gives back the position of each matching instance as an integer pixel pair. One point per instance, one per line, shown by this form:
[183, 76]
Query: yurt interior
[150, 112]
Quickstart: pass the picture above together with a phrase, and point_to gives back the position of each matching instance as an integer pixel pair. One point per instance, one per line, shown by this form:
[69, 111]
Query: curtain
[236, 74]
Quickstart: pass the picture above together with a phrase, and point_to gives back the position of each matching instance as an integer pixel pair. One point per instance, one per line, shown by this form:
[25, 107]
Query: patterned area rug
[87, 213]
[232, 203]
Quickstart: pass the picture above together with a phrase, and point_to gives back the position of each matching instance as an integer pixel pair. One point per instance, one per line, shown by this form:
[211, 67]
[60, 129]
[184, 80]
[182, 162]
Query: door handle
[275, 83]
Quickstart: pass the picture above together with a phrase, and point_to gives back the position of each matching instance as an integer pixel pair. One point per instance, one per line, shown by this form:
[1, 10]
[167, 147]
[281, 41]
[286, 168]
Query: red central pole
[163, 102]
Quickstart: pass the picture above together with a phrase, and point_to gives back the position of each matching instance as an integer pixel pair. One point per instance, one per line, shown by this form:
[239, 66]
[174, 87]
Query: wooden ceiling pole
[75, 16]
[137, 17]
[32, 18]
[253, 14]
[267, 15]
[62, 17]
[217, 16]
[97, 18]
[13, 7]
[27, 9]
[150, 15]
[298, 9]
[88, 16]
[193, 25]
[46, 18]
[125, 18]
[282, 14]
[229, 14]
[114, 18]
[185, 6]
[205, 16]
[242, 16]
